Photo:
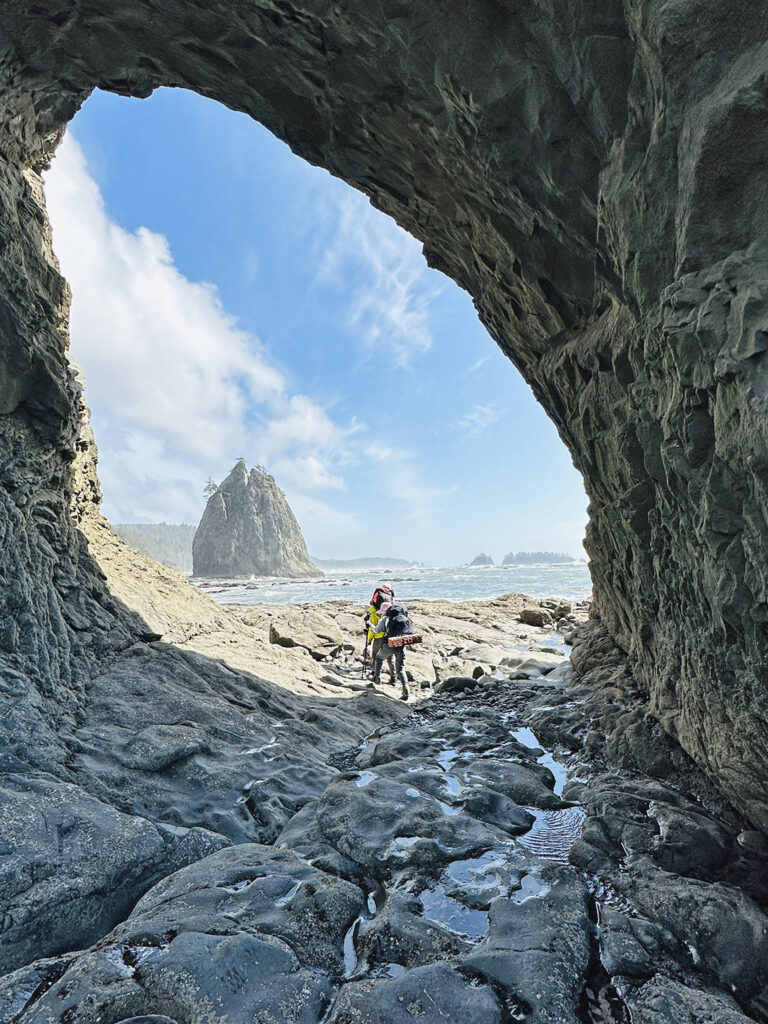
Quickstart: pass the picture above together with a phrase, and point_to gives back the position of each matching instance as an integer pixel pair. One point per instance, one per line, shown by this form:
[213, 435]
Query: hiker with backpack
[397, 629]
[383, 596]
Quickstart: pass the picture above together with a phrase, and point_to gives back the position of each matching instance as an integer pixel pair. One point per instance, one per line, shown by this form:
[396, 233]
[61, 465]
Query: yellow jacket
[373, 618]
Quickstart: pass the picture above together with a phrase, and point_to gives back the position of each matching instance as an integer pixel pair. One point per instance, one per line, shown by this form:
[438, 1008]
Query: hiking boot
[405, 694]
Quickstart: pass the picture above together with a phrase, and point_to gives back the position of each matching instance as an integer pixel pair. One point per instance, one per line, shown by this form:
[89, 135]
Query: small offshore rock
[481, 559]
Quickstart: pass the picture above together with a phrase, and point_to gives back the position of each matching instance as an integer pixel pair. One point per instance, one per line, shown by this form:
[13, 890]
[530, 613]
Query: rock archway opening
[592, 179]
[248, 303]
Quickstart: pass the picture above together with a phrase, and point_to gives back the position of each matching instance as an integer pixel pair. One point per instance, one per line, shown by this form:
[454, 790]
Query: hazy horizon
[316, 556]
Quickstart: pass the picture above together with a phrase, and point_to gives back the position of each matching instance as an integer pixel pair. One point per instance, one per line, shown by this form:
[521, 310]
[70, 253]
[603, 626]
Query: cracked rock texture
[593, 173]
[394, 890]
[248, 528]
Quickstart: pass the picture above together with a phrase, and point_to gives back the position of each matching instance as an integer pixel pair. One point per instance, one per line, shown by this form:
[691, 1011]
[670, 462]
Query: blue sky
[231, 300]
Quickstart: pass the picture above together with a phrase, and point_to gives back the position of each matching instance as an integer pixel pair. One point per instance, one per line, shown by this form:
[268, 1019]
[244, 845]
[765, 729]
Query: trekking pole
[367, 631]
[365, 655]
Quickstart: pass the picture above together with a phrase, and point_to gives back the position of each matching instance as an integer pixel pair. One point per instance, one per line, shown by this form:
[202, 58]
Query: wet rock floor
[453, 869]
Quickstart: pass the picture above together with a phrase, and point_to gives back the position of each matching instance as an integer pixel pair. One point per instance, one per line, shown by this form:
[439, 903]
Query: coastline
[452, 584]
[317, 649]
[249, 785]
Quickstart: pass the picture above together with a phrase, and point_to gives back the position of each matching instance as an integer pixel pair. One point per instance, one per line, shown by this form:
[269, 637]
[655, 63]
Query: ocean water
[457, 583]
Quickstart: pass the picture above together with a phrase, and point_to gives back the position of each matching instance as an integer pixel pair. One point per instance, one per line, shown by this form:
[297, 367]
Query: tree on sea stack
[248, 529]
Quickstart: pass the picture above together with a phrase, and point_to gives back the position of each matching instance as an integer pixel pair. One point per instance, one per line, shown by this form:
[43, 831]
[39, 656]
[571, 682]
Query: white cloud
[479, 418]
[328, 526]
[480, 362]
[308, 472]
[404, 481]
[178, 389]
[383, 270]
[383, 453]
[303, 423]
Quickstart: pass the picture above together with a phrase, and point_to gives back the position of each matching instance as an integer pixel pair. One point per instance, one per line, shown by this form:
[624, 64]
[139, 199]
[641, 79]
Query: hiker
[383, 595]
[394, 623]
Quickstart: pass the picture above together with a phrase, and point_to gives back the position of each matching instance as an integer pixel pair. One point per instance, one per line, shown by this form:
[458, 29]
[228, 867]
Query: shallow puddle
[447, 757]
[129, 958]
[528, 738]
[444, 807]
[237, 886]
[399, 846]
[389, 970]
[452, 785]
[553, 833]
[448, 809]
[531, 887]
[350, 953]
[556, 641]
[258, 750]
[479, 872]
[447, 911]
[288, 896]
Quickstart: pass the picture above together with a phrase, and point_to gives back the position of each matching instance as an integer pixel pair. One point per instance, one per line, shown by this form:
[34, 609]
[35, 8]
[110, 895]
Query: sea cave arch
[592, 176]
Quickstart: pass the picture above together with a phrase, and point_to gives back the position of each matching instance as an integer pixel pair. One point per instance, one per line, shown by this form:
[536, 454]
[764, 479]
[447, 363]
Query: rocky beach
[270, 839]
[207, 815]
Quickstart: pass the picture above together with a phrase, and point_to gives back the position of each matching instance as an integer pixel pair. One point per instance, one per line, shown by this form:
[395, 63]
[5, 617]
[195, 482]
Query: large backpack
[380, 595]
[398, 621]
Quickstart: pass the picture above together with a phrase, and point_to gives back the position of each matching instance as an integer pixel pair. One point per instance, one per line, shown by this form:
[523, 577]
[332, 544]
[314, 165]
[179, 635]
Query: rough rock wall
[248, 528]
[592, 171]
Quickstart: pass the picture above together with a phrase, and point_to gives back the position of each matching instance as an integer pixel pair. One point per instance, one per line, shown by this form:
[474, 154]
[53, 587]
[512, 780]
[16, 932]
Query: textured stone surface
[248, 528]
[593, 174]
[397, 895]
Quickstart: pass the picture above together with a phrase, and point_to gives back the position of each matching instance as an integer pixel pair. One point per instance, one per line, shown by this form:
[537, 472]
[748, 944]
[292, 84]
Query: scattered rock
[429, 995]
[539, 665]
[665, 1001]
[457, 684]
[535, 617]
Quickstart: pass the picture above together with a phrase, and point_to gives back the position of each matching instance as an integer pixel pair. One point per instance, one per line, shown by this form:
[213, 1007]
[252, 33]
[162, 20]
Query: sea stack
[248, 528]
[481, 559]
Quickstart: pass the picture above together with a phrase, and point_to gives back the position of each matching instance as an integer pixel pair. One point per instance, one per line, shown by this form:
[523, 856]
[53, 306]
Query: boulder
[538, 951]
[457, 684]
[665, 1001]
[430, 995]
[535, 617]
[538, 665]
